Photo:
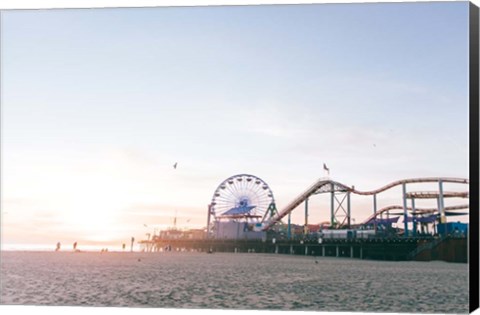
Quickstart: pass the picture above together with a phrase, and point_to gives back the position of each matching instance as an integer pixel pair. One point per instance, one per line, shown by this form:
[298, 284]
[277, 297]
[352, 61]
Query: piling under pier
[401, 249]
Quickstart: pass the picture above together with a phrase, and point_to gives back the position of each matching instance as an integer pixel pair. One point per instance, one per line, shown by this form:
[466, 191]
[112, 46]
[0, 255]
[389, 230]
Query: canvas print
[270, 157]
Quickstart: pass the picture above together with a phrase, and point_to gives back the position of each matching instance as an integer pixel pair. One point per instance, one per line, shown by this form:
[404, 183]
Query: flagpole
[326, 169]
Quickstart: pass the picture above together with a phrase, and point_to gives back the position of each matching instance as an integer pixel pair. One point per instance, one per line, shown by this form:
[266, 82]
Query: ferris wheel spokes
[241, 197]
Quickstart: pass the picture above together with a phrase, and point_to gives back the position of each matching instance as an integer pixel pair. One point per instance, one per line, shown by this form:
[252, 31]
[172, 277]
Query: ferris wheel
[241, 197]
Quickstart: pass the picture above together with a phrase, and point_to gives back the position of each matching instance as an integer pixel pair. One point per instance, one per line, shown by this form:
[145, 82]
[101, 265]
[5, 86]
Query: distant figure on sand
[75, 246]
[123, 246]
[58, 247]
[131, 246]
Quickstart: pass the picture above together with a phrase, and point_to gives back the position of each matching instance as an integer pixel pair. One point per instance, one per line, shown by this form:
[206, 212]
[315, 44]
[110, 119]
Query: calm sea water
[232, 281]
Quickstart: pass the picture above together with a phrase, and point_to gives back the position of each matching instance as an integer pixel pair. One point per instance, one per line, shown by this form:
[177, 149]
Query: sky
[98, 104]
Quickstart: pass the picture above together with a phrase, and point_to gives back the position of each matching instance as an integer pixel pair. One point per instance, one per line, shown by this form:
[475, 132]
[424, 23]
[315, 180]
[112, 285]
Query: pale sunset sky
[98, 104]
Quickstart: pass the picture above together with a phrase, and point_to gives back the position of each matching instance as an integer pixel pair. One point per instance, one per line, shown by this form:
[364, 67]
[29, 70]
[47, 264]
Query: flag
[326, 169]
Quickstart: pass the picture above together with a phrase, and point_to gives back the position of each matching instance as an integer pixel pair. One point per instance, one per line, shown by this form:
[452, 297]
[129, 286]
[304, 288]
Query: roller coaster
[249, 198]
[340, 214]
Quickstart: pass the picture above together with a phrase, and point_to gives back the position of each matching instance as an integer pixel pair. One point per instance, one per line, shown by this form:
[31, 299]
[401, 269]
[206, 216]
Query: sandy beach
[233, 281]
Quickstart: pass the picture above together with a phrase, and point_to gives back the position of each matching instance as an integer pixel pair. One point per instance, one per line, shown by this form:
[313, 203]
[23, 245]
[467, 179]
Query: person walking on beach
[131, 246]
[58, 247]
[75, 246]
[123, 246]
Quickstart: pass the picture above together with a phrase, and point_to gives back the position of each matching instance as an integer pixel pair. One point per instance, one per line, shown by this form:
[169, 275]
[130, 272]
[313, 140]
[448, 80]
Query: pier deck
[447, 249]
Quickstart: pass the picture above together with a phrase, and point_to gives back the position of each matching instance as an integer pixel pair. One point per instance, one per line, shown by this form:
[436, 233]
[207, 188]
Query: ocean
[231, 281]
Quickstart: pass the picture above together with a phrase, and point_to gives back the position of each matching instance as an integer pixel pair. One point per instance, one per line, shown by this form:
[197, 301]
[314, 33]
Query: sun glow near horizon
[103, 199]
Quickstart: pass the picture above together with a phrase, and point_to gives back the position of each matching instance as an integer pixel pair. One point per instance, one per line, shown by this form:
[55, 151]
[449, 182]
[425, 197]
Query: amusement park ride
[243, 199]
[248, 201]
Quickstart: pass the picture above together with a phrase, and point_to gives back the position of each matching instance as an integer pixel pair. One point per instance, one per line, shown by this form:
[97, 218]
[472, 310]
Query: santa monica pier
[243, 217]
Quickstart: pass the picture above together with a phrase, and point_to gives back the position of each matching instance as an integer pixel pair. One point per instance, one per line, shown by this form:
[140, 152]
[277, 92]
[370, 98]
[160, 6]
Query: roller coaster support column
[289, 227]
[332, 205]
[348, 210]
[441, 204]
[375, 212]
[405, 215]
[414, 219]
[305, 228]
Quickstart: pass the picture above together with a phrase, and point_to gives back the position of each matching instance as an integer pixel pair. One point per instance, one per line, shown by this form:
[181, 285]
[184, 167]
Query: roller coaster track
[417, 210]
[328, 185]
[412, 181]
[434, 195]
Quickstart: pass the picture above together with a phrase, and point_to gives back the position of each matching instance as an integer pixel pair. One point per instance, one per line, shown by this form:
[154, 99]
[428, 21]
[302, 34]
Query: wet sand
[232, 281]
